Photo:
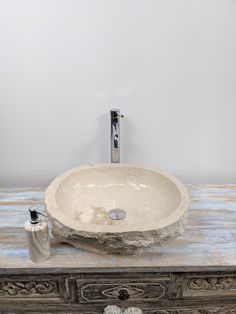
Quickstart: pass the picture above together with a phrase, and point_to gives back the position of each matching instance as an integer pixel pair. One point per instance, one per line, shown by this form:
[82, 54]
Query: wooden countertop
[208, 243]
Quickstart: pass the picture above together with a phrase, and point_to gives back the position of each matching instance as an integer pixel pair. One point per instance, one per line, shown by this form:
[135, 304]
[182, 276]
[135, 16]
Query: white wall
[169, 65]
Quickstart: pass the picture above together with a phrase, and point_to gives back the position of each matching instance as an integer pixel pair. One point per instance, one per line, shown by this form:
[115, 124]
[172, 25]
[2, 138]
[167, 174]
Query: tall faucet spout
[116, 141]
[115, 135]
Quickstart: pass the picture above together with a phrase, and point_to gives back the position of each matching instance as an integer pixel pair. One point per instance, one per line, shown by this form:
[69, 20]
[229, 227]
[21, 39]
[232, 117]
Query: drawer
[115, 290]
[193, 309]
[30, 288]
[209, 285]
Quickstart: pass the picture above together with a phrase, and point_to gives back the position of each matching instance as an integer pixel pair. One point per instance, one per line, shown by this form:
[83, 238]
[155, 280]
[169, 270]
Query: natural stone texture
[79, 202]
[122, 243]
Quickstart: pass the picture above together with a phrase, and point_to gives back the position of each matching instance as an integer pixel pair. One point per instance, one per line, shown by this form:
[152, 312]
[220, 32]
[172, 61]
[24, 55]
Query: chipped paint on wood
[208, 241]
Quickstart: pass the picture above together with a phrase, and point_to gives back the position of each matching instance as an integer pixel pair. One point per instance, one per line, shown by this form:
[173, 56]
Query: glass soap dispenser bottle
[37, 236]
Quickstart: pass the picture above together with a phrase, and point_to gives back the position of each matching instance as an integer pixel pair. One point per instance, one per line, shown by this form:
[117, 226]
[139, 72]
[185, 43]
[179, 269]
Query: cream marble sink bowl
[116, 208]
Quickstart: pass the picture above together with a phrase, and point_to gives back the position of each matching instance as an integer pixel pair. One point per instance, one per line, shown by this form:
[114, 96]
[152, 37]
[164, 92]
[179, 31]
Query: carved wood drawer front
[209, 285]
[94, 291]
[30, 289]
[217, 309]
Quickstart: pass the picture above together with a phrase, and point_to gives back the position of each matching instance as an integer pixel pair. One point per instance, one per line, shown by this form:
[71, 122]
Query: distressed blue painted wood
[208, 242]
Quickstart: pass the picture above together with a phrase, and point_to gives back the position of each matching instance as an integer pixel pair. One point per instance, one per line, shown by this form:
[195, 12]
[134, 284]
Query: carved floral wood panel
[28, 288]
[202, 310]
[215, 286]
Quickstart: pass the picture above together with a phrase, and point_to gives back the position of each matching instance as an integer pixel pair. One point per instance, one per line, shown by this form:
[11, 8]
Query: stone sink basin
[116, 208]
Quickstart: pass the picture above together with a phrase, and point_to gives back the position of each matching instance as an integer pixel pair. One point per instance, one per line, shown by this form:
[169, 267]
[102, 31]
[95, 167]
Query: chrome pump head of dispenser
[34, 218]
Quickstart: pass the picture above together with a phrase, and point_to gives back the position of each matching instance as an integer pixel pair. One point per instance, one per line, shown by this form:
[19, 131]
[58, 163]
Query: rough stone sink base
[116, 208]
[111, 243]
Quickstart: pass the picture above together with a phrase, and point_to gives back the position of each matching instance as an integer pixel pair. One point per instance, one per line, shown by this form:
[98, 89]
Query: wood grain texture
[209, 242]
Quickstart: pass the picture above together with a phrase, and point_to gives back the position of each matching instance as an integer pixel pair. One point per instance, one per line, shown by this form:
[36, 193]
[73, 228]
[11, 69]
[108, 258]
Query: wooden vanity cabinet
[152, 292]
[194, 274]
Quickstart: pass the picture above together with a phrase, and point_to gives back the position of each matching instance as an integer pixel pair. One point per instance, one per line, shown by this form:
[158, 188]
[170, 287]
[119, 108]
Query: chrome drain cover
[117, 214]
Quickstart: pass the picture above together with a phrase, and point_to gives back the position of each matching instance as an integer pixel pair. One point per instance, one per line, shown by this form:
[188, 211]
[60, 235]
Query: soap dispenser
[37, 236]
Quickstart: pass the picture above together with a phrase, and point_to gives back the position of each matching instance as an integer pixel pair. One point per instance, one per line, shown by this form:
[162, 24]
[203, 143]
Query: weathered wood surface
[209, 241]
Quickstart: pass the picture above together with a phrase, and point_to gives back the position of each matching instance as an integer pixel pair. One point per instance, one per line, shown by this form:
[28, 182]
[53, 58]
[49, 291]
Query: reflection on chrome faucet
[115, 135]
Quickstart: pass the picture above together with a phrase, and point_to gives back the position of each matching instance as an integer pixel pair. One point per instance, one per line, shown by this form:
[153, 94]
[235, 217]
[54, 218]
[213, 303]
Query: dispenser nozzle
[34, 218]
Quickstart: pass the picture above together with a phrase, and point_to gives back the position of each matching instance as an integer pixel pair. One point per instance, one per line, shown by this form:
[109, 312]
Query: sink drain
[117, 214]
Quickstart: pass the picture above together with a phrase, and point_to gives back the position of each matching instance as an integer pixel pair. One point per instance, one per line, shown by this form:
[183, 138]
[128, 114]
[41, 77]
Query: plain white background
[169, 65]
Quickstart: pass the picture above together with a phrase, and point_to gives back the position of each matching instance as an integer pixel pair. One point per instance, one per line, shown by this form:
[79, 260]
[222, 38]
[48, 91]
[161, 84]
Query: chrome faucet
[115, 135]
